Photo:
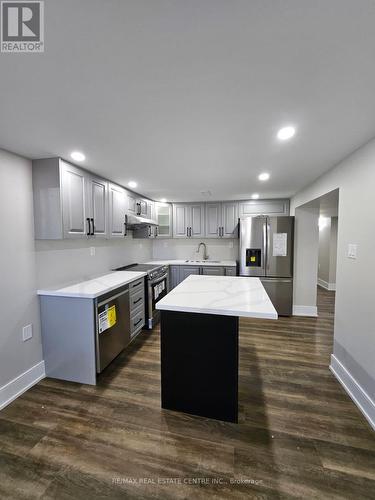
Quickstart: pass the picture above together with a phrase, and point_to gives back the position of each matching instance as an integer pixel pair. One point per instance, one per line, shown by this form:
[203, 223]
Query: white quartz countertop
[95, 287]
[226, 263]
[224, 295]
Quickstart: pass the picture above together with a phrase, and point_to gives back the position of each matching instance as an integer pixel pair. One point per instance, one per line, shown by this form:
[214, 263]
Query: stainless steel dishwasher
[112, 326]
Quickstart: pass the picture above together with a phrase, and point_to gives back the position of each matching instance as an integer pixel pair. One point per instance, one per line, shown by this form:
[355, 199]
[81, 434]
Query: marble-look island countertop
[95, 287]
[197, 262]
[222, 295]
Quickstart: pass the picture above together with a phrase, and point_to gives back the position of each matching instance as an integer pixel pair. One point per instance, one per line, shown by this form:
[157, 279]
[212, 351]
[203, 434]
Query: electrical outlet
[92, 251]
[352, 251]
[27, 332]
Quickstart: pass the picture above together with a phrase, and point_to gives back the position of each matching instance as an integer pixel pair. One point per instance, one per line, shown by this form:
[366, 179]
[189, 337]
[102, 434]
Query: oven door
[157, 289]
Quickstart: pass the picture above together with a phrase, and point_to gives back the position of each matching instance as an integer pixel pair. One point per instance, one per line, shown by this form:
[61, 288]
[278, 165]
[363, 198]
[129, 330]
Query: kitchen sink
[204, 261]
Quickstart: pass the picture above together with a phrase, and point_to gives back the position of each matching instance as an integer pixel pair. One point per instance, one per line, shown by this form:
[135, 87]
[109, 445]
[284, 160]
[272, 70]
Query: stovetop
[147, 268]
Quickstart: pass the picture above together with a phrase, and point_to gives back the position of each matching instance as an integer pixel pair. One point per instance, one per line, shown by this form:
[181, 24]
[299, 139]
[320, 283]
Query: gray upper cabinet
[180, 221]
[229, 219]
[222, 220]
[117, 211]
[97, 203]
[68, 201]
[213, 220]
[163, 217]
[76, 214]
[188, 220]
[131, 203]
[263, 207]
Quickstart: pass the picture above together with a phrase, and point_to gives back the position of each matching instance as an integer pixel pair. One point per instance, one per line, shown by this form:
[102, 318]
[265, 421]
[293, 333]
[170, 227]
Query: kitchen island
[199, 342]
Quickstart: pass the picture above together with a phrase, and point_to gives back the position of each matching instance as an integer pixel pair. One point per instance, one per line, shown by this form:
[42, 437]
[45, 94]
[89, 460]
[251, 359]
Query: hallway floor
[299, 434]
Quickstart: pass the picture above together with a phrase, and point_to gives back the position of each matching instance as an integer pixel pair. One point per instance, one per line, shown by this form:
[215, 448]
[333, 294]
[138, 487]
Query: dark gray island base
[199, 342]
[199, 364]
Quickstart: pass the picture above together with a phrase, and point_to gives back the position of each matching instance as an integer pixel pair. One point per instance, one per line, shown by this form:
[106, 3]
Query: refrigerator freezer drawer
[280, 291]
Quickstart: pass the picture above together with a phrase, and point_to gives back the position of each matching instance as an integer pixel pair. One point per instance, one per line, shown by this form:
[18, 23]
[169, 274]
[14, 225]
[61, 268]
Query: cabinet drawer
[137, 299]
[137, 321]
[135, 286]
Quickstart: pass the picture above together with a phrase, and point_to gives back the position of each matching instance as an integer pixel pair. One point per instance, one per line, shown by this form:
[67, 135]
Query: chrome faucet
[205, 256]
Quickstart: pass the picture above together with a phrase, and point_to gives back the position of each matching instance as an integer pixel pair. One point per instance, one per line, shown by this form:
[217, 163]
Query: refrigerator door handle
[265, 256]
[268, 244]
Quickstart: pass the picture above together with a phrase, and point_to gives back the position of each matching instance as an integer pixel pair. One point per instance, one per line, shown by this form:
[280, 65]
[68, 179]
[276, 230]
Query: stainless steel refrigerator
[266, 251]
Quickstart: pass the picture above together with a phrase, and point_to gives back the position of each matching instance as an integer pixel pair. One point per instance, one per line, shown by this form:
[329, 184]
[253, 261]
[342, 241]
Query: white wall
[187, 249]
[306, 259]
[61, 262]
[18, 301]
[328, 252]
[324, 250]
[354, 337]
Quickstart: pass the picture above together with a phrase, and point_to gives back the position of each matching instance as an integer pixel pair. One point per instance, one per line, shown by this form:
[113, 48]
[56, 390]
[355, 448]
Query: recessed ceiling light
[286, 133]
[78, 156]
[264, 176]
[255, 196]
[163, 200]
[132, 184]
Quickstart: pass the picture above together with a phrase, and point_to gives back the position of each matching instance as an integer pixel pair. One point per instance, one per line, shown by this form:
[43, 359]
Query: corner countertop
[95, 287]
[171, 262]
[222, 295]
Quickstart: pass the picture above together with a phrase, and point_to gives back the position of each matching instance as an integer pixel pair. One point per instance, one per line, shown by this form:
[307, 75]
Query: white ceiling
[186, 96]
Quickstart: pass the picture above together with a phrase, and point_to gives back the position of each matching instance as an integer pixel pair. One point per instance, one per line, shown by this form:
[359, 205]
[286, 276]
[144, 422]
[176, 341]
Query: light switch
[231, 244]
[92, 251]
[27, 332]
[352, 251]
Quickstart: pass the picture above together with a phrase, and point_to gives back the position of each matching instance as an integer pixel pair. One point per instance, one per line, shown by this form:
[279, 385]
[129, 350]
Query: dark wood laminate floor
[299, 433]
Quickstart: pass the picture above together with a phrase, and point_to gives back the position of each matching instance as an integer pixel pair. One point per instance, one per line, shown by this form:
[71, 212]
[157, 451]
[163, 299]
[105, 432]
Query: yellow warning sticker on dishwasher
[107, 318]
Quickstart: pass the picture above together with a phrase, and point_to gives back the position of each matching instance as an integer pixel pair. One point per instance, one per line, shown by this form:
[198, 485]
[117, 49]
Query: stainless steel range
[157, 286]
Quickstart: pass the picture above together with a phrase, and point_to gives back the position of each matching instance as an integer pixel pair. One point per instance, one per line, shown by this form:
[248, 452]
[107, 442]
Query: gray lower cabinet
[76, 345]
[179, 273]
[186, 271]
[213, 271]
[230, 271]
[174, 276]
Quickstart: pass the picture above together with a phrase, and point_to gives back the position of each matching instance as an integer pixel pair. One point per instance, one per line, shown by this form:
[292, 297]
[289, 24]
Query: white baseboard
[354, 390]
[311, 311]
[10, 391]
[326, 285]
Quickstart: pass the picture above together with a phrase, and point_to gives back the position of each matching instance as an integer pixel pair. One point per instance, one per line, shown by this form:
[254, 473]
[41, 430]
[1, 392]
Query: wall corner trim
[311, 311]
[359, 396]
[10, 391]
[326, 285]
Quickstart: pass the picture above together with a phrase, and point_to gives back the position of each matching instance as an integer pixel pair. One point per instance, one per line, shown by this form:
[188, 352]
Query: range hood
[138, 221]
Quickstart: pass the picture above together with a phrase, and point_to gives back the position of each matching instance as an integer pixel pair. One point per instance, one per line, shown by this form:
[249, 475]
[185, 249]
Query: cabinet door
[213, 271]
[174, 276]
[263, 207]
[230, 271]
[229, 220]
[180, 221]
[213, 220]
[98, 206]
[196, 216]
[117, 203]
[186, 271]
[74, 202]
[163, 216]
[131, 203]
